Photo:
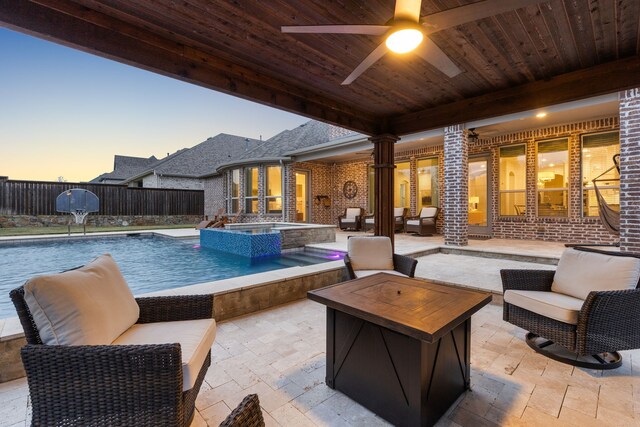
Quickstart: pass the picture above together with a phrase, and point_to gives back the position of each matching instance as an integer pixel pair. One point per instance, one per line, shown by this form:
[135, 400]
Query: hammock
[609, 217]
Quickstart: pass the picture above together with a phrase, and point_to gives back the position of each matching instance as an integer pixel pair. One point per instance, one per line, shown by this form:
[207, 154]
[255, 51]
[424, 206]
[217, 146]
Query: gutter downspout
[284, 190]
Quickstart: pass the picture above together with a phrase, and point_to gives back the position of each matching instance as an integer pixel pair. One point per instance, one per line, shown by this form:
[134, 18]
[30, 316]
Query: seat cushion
[413, 222]
[348, 221]
[428, 212]
[581, 272]
[91, 305]
[560, 307]
[370, 253]
[398, 211]
[352, 213]
[194, 336]
[369, 220]
[364, 273]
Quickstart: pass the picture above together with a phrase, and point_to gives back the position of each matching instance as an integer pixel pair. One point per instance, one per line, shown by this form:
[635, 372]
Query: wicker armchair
[372, 254]
[590, 305]
[423, 224]
[246, 414]
[398, 217]
[351, 219]
[109, 385]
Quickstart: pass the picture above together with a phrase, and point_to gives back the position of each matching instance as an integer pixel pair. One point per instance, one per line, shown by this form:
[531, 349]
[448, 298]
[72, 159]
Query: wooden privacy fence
[39, 197]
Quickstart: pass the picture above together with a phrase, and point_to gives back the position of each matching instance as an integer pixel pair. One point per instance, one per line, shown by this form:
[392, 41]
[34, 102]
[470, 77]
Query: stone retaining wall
[300, 237]
[11, 221]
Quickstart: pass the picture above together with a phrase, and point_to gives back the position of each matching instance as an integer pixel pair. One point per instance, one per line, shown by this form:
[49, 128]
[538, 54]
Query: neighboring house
[124, 167]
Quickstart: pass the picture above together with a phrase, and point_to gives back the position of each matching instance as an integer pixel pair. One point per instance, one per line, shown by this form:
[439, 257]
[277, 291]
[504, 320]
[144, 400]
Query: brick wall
[341, 173]
[180, 183]
[320, 180]
[630, 170]
[214, 194]
[456, 172]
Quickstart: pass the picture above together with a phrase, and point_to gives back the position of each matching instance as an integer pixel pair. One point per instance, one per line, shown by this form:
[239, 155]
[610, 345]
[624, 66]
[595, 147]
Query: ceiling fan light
[405, 40]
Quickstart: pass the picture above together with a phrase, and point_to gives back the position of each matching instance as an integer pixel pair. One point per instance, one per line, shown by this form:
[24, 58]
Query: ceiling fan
[407, 31]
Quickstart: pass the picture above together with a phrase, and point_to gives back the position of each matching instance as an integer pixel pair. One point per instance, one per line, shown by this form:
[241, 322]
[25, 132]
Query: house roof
[306, 135]
[125, 167]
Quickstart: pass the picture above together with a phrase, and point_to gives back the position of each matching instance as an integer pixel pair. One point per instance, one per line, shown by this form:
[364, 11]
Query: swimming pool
[148, 263]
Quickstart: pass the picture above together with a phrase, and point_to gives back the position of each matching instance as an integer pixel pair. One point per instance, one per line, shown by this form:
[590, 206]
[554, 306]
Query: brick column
[455, 202]
[384, 164]
[630, 171]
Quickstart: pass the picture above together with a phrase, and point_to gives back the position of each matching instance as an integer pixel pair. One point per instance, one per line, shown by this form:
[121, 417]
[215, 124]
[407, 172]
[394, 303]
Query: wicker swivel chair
[351, 219]
[398, 220]
[373, 254]
[246, 414]
[590, 306]
[423, 224]
[80, 375]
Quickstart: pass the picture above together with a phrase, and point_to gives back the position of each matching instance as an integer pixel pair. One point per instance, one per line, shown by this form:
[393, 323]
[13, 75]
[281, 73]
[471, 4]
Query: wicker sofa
[423, 224]
[589, 305]
[399, 214]
[78, 375]
[351, 219]
[368, 255]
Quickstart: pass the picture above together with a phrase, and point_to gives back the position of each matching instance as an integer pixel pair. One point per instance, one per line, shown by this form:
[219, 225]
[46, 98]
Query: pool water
[148, 263]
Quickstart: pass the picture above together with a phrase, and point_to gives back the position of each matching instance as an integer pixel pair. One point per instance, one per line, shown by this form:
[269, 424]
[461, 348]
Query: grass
[77, 229]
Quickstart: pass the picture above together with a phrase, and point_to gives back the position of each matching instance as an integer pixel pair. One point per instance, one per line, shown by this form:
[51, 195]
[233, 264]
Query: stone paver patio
[279, 354]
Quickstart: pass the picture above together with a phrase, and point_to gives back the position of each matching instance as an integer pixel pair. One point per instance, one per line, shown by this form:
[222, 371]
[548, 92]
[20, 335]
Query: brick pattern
[630, 170]
[349, 171]
[456, 184]
[320, 177]
[215, 194]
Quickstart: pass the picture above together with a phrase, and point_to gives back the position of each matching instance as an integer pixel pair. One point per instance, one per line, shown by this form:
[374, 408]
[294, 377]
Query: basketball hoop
[79, 203]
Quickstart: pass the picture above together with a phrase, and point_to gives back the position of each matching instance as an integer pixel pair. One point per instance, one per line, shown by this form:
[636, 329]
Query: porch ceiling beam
[72, 25]
[598, 80]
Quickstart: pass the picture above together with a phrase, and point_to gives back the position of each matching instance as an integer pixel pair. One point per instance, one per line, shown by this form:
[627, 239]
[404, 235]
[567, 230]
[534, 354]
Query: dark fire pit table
[399, 346]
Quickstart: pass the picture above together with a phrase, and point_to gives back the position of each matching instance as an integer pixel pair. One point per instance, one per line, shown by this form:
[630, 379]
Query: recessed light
[541, 115]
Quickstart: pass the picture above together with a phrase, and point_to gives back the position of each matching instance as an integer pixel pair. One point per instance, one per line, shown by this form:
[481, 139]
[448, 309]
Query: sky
[66, 113]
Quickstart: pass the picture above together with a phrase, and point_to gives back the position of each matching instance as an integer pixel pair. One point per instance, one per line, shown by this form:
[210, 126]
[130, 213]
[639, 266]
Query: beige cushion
[365, 273]
[350, 221]
[369, 220]
[194, 336]
[581, 272]
[428, 212]
[398, 211]
[91, 305]
[413, 222]
[352, 213]
[548, 304]
[370, 253]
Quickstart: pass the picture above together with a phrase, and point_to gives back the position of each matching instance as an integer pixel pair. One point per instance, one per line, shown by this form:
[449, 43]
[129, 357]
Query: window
[597, 158]
[372, 190]
[251, 190]
[234, 193]
[273, 196]
[428, 183]
[553, 178]
[513, 180]
[402, 193]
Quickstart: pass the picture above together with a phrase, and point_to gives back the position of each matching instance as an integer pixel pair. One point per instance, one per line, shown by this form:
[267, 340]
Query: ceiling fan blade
[431, 53]
[472, 12]
[373, 57]
[408, 9]
[372, 30]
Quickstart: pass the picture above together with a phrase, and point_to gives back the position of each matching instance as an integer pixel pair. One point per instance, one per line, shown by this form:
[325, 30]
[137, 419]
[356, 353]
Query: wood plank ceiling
[556, 51]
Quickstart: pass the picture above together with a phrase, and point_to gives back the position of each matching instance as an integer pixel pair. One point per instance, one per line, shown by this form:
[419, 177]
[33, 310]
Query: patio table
[399, 346]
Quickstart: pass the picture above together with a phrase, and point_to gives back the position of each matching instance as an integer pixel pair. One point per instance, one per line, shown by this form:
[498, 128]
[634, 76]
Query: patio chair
[423, 224]
[246, 414]
[95, 355]
[206, 223]
[398, 218]
[369, 255]
[351, 219]
[589, 305]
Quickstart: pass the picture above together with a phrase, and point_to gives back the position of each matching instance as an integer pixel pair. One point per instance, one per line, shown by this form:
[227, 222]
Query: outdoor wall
[10, 221]
[573, 228]
[214, 195]
[180, 183]
[320, 177]
[341, 173]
